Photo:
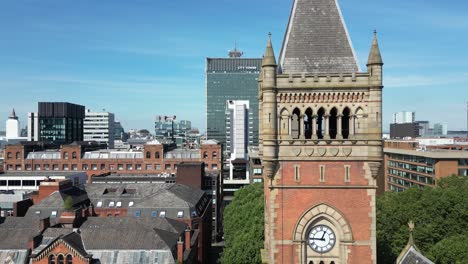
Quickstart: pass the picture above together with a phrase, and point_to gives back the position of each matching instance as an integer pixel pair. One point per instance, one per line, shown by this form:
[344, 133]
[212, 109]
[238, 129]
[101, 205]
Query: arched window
[156, 155]
[214, 154]
[148, 155]
[295, 119]
[51, 259]
[9, 155]
[65, 155]
[345, 123]
[333, 262]
[18, 155]
[60, 259]
[73, 155]
[205, 155]
[308, 123]
[320, 123]
[332, 123]
[358, 121]
[284, 122]
[69, 259]
[321, 262]
[311, 262]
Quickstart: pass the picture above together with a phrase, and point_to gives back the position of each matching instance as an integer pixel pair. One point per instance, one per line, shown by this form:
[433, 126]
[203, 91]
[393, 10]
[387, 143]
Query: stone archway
[320, 214]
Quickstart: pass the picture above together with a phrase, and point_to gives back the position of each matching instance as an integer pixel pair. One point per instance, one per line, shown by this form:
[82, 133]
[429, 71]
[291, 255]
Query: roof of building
[17, 231]
[410, 254]
[210, 142]
[65, 235]
[155, 195]
[316, 40]
[130, 233]
[183, 154]
[48, 154]
[112, 154]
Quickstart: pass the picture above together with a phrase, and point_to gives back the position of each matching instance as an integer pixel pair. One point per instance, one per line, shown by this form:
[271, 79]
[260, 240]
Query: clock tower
[320, 141]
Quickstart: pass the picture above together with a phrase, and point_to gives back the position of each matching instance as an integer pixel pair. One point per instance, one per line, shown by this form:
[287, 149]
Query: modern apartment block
[56, 122]
[232, 78]
[410, 163]
[238, 138]
[99, 127]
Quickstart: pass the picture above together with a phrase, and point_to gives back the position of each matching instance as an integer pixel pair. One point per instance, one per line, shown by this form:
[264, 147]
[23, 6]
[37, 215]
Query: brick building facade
[320, 142]
[154, 158]
[407, 163]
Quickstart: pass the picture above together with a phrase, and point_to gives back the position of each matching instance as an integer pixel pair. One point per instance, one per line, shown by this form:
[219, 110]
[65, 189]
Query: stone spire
[316, 40]
[13, 115]
[269, 56]
[374, 55]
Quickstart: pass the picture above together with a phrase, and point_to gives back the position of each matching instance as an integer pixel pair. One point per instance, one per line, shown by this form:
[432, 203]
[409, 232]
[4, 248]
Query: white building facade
[12, 126]
[99, 127]
[403, 117]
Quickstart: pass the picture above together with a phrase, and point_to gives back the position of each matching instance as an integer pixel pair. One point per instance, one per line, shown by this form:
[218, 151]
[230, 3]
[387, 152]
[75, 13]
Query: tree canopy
[243, 226]
[440, 215]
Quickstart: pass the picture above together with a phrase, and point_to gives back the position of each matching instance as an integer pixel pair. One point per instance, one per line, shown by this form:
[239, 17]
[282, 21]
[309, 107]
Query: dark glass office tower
[227, 79]
[61, 122]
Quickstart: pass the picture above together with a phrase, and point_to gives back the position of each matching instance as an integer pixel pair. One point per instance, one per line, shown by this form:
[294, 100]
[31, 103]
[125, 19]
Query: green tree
[68, 203]
[439, 214]
[243, 226]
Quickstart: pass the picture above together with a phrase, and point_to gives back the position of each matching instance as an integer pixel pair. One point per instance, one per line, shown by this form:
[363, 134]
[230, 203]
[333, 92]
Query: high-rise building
[33, 126]
[168, 126]
[320, 141]
[60, 122]
[99, 127]
[439, 129]
[232, 78]
[12, 126]
[403, 117]
[236, 165]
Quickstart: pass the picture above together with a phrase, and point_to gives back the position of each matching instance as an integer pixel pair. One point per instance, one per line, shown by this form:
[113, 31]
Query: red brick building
[409, 163]
[154, 158]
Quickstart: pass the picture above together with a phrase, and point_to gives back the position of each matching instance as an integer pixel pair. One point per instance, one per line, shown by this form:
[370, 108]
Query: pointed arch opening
[295, 125]
[308, 123]
[358, 121]
[345, 123]
[321, 123]
[284, 122]
[332, 123]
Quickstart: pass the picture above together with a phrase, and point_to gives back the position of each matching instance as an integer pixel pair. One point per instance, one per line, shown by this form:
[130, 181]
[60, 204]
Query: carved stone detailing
[347, 151]
[322, 151]
[309, 151]
[296, 151]
[270, 168]
[374, 167]
[344, 97]
[334, 151]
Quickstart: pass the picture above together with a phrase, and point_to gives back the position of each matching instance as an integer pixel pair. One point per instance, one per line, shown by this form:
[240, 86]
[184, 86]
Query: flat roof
[430, 153]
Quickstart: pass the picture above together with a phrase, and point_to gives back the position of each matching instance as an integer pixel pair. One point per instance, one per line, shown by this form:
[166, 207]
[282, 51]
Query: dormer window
[162, 214]
[154, 213]
[111, 204]
[53, 214]
[137, 213]
[99, 204]
[180, 214]
[130, 204]
[119, 204]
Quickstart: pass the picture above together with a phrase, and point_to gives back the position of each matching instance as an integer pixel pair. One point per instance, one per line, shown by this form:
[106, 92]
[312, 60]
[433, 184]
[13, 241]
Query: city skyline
[141, 60]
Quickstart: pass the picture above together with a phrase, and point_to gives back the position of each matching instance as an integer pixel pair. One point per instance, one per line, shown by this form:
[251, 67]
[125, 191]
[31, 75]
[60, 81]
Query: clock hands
[323, 235]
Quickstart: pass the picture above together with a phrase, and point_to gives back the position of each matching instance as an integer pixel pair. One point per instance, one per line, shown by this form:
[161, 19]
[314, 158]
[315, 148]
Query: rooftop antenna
[235, 53]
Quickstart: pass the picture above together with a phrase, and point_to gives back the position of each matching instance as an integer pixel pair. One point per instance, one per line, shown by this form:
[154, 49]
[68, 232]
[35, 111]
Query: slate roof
[316, 40]
[154, 195]
[413, 256]
[130, 233]
[15, 232]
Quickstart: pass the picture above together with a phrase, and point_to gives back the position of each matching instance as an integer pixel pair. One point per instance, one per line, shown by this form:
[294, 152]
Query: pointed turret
[13, 115]
[374, 56]
[269, 56]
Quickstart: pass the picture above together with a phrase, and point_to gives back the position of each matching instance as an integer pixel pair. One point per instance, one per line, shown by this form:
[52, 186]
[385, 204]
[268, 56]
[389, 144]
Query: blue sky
[143, 58]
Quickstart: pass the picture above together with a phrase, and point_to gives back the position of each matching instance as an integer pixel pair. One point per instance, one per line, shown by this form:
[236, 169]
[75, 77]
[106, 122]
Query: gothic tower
[320, 141]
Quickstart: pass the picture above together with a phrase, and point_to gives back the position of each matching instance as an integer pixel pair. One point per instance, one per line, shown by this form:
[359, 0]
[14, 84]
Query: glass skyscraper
[60, 122]
[231, 79]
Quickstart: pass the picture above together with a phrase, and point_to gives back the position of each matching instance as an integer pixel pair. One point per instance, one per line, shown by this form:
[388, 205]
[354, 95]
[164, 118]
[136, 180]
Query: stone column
[314, 127]
[351, 126]
[327, 126]
[301, 127]
[339, 134]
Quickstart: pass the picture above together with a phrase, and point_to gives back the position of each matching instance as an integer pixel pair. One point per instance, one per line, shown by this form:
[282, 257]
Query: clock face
[321, 238]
